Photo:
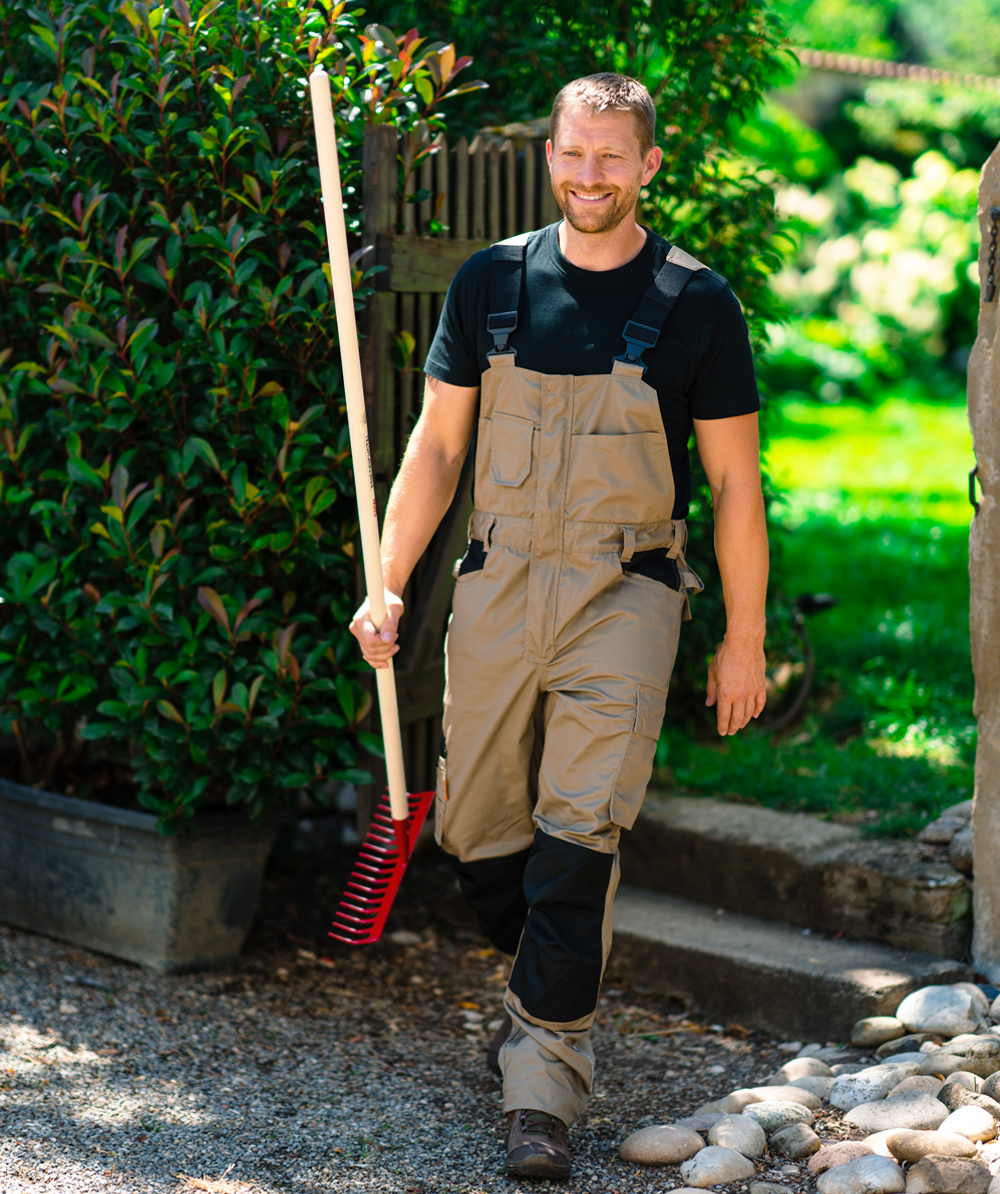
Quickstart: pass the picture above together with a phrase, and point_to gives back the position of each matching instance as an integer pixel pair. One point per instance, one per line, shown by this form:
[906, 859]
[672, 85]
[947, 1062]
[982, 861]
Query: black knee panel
[494, 889]
[557, 975]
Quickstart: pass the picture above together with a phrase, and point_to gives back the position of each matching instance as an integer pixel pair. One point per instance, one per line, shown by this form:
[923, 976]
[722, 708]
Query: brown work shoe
[536, 1146]
[495, 1045]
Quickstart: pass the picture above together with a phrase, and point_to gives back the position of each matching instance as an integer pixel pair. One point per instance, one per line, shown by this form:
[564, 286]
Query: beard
[609, 215]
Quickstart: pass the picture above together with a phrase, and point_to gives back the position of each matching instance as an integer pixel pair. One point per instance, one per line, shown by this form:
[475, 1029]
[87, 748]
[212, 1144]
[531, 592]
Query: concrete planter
[103, 878]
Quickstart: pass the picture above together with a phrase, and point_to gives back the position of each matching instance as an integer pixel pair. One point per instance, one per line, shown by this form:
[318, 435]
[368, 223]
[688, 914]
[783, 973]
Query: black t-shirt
[570, 321]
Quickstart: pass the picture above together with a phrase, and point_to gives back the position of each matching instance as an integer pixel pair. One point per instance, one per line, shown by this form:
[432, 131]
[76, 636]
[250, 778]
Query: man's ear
[548, 152]
[654, 160]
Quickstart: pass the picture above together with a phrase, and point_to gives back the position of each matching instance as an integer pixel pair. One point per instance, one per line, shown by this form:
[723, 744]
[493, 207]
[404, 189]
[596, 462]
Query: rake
[389, 844]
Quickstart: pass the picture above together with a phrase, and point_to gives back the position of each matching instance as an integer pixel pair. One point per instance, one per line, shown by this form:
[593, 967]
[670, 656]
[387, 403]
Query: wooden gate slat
[478, 162]
[460, 189]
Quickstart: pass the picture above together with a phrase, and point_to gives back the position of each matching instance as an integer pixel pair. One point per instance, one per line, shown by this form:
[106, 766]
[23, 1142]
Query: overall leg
[603, 714]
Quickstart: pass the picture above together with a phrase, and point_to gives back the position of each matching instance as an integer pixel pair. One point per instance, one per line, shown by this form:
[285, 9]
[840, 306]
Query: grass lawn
[875, 512]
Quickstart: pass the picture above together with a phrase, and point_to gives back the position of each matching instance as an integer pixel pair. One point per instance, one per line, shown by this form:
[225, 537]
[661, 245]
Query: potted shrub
[176, 505]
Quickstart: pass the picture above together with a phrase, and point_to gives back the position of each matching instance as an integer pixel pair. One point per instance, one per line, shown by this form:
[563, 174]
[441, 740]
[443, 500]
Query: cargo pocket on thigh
[440, 798]
[637, 761]
[510, 449]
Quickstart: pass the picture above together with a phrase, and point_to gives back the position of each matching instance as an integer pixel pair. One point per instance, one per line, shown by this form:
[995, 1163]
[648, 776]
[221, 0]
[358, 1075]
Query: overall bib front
[558, 659]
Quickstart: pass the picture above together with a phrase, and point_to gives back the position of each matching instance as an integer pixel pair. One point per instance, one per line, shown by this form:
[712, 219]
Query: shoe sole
[540, 1167]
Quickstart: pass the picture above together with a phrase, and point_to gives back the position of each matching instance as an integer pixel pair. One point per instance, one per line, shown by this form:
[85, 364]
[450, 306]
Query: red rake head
[377, 873]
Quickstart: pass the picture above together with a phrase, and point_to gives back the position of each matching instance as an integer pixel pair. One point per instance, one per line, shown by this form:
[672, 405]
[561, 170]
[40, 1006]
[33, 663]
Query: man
[580, 356]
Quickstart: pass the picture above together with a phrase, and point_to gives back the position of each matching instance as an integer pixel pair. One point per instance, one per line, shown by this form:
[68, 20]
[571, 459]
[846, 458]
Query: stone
[925, 1082]
[975, 1123]
[848, 1067]
[991, 1087]
[942, 831]
[911, 1146]
[796, 1142]
[876, 1030]
[915, 1110]
[960, 851]
[850, 1090]
[980, 1056]
[740, 1133]
[970, 1081]
[762, 1188]
[832, 1155]
[865, 1175]
[963, 810]
[939, 1009]
[954, 1096]
[903, 1044]
[995, 1009]
[994, 1186]
[834, 1054]
[878, 1142]
[820, 1087]
[699, 1123]
[809, 1050]
[978, 996]
[734, 1103]
[715, 1166]
[787, 1094]
[664, 1144]
[948, 1175]
[709, 1108]
[800, 1067]
[774, 1116]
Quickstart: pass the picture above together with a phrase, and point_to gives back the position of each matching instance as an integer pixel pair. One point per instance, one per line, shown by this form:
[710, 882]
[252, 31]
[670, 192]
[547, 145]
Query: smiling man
[579, 358]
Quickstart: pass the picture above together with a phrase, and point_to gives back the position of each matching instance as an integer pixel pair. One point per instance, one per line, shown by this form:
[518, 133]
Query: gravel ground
[314, 1067]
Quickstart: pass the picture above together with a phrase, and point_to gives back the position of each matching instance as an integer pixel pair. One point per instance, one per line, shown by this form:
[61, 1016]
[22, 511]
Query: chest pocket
[510, 449]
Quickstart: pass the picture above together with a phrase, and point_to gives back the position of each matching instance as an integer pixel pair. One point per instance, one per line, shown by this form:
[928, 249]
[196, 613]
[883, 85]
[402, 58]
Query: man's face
[597, 167]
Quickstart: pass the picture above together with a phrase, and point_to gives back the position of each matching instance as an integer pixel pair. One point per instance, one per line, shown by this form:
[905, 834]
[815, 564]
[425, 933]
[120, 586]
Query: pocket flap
[510, 449]
[650, 706]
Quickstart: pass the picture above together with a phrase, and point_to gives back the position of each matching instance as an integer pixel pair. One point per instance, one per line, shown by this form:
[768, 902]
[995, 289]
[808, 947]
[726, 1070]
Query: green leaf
[79, 470]
[372, 743]
[205, 450]
[345, 695]
[168, 711]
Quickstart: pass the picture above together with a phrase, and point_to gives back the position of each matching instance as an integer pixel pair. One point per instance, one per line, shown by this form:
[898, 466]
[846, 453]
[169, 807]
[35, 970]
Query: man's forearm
[420, 497]
[742, 553]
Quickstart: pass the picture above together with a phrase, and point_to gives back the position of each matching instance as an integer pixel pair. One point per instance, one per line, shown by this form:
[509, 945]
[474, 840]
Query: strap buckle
[638, 337]
[500, 327]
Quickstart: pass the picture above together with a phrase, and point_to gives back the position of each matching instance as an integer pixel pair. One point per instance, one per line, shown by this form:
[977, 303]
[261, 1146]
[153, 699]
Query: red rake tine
[378, 872]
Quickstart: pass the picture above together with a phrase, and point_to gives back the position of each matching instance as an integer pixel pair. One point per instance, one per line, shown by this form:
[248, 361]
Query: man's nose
[590, 172]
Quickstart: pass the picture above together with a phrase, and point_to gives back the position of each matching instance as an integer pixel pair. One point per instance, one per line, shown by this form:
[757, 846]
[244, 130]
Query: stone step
[800, 870]
[762, 974]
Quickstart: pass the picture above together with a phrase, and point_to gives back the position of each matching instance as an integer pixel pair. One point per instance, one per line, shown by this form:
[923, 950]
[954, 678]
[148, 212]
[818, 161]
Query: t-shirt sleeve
[724, 384]
[453, 355]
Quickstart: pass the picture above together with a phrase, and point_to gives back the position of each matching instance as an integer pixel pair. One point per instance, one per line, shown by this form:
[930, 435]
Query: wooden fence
[467, 197]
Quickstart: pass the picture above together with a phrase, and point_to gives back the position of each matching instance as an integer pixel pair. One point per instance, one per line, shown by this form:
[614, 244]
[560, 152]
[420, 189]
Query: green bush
[178, 519]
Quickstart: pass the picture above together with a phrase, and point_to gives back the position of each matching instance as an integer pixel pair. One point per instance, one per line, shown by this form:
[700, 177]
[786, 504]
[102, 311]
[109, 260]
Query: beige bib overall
[558, 664]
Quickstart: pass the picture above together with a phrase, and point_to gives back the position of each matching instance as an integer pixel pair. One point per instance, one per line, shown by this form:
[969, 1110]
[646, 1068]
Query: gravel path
[314, 1069]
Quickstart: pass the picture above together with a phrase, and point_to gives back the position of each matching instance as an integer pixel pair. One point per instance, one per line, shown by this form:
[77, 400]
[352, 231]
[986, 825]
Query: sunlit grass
[875, 511]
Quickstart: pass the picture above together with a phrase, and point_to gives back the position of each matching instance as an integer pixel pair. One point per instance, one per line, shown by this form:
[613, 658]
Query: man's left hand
[736, 685]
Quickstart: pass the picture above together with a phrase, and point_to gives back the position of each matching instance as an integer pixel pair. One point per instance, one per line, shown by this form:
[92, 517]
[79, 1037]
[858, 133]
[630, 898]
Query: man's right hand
[378, 646]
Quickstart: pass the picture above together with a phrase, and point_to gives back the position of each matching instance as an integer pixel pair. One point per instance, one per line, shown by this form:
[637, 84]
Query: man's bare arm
[730, 454]
[421, 494]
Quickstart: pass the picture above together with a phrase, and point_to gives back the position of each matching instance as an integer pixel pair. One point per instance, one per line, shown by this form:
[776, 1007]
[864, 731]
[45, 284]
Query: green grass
[875, 512]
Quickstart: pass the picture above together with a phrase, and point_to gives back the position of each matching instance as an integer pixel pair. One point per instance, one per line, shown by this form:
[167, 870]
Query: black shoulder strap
[506, 272]
[643, 330]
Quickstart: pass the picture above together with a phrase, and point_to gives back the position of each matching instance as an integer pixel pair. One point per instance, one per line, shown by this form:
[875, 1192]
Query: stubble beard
[623, 203]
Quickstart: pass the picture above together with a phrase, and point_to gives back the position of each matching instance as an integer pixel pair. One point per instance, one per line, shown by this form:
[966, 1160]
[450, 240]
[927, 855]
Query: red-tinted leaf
[211, 603]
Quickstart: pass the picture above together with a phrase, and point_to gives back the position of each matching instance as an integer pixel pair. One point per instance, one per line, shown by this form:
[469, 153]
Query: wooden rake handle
[350, 357]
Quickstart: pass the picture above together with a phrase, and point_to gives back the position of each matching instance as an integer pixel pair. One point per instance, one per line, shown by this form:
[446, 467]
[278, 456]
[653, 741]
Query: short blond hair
[609, 92]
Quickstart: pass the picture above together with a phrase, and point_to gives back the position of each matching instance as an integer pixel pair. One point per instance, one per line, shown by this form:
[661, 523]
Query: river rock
[978, 996]
[980, 1056]
[915, 1110]
[913, 1061]
[850, 1090]
[800, 1067]
[734, 1103]
[715, 1106]
[715, 1166]
[832, 1155]
[865, 1175]
[740, 1133]
[995, 1009]
[940, 1009]
[911, 1146]
[960, 851]
[762, 1188]
[700, 1123]
[971, 1082]
[876, 1030]
[796, 1142]
[948, 1175]
[991, 1087]
[925, 1082]
[972, 1122]
[878, 1143]
[774, 1116]
[903, 1044]
[664, 1144]
[954, 1095]
[820, 1087]
[788, 1094]
[942, 831]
